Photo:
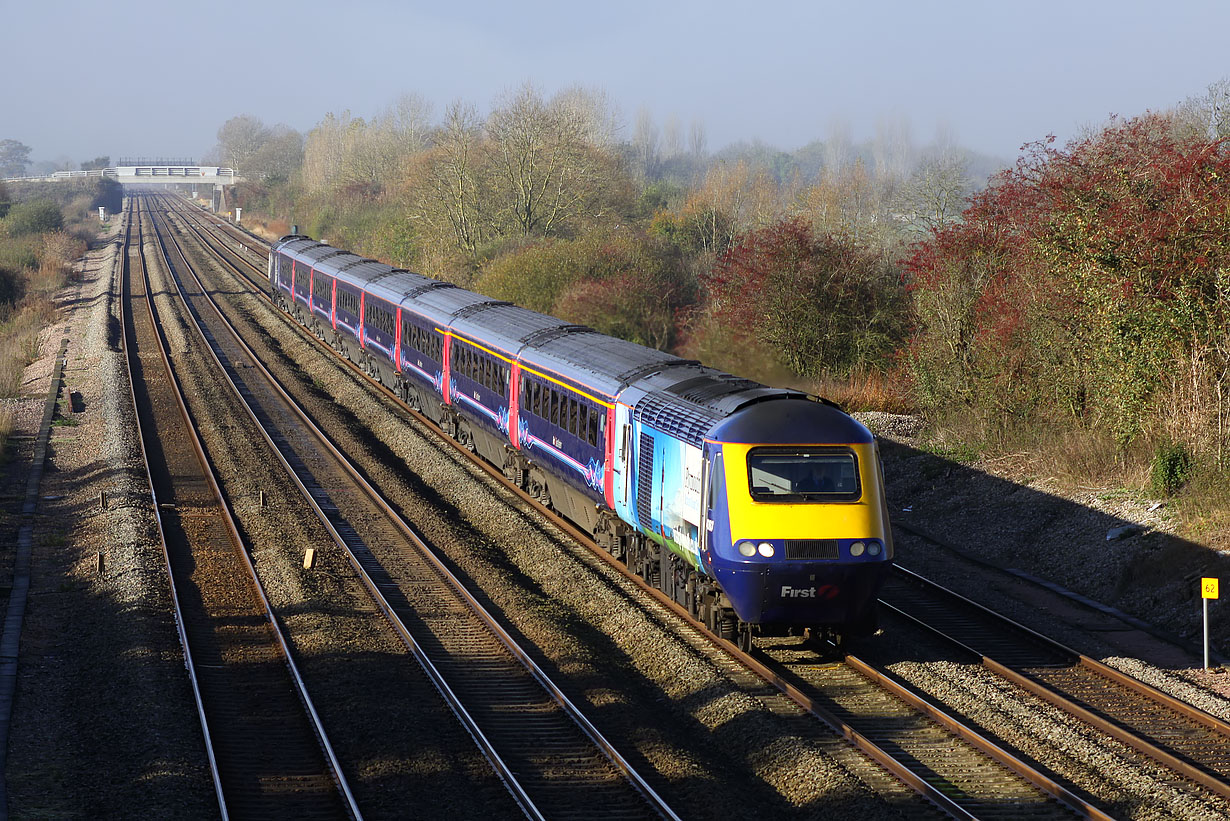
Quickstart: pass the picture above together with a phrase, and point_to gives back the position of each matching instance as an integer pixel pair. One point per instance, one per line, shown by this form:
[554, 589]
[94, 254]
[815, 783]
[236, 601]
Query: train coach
[759, 509]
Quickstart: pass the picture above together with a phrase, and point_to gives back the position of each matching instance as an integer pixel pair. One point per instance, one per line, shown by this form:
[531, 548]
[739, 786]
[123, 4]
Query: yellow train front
[798, 532]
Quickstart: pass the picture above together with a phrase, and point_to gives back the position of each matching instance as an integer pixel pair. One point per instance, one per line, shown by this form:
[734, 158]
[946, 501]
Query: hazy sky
[139, 77]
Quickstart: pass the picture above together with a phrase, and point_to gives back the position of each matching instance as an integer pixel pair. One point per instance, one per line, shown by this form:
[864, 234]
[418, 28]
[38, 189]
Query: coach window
[572, 415]
[593, 426]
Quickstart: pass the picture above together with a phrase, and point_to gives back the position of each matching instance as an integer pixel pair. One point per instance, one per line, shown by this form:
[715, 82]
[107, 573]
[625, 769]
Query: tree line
[1084, 287]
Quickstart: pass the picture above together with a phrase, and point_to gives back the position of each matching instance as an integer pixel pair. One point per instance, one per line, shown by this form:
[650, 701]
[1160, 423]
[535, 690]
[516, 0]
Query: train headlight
[857, 549]
[766, 549]
[873, 549]
[747, 548]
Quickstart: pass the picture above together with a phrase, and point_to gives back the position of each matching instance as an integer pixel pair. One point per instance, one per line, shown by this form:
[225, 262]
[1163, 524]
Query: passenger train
[759, 509]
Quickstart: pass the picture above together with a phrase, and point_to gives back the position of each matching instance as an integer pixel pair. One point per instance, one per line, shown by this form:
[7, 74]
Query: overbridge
[141, 171]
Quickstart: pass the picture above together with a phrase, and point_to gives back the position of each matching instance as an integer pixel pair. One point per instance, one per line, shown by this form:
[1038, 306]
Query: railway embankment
[1117, 549]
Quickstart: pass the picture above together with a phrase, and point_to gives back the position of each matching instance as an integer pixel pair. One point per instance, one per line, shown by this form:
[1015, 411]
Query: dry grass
[871, 391]
[19, 342]
[6, 428]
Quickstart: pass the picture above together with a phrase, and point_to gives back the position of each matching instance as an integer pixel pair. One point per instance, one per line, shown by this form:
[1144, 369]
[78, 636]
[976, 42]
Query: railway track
[950, 764]
[1195, 745]
[268, 754]
[1192, 744]
[554, 761]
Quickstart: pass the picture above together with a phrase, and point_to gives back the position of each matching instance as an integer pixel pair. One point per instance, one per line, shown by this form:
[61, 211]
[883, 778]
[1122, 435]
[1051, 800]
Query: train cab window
[803, 475]
[717, 481]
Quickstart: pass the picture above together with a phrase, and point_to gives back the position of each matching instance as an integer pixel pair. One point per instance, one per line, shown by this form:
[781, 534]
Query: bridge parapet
[148, 174]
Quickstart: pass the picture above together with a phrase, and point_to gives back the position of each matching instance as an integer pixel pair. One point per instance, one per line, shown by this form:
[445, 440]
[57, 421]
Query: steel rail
[884, 758]
[1034, 684]
[608, 749]
[299, 685]
[126, 330]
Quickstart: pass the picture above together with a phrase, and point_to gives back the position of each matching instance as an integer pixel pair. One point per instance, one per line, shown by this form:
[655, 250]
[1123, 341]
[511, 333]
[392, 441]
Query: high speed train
[759, 509]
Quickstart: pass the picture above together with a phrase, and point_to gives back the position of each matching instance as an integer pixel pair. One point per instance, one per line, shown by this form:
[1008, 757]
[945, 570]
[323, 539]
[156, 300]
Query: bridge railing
[191, 173]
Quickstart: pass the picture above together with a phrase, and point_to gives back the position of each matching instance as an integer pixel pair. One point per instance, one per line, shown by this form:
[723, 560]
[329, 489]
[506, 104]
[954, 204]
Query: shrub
[34, 218]
[1172, 468]
[823, 304]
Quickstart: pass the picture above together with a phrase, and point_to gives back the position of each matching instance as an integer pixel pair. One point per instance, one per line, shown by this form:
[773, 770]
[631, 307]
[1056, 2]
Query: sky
[152, 78]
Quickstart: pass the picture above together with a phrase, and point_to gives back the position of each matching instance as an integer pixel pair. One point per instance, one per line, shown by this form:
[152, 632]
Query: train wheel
[745, 637]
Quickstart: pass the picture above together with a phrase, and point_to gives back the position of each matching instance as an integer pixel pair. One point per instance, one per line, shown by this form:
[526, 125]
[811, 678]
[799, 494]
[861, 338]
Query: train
[761, 510]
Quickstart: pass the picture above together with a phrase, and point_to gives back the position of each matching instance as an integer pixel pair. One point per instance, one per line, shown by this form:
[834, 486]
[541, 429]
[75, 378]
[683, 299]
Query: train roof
[795, 420]
[689, 401]
[505, 326]
[294, 244]
[604, 363]
[677, 396]
[318, 256]
[443, 305]
[397, 283]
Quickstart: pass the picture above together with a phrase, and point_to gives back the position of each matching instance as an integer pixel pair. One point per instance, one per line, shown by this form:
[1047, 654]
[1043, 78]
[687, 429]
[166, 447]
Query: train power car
[759, 509]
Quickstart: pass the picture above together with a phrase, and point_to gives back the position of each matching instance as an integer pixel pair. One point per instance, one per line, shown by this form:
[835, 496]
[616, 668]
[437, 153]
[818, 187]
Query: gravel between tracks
[716, 750]
[103, 723]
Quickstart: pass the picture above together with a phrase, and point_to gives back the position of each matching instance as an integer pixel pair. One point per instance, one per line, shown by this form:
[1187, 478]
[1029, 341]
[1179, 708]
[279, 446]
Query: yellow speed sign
[1208, 588]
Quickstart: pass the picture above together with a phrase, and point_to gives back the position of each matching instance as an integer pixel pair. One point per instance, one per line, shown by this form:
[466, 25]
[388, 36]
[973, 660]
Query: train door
[713, 499]
[622, 463]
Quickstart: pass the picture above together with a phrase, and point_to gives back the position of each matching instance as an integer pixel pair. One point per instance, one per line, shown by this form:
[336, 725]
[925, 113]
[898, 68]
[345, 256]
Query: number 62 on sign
[1208, 588]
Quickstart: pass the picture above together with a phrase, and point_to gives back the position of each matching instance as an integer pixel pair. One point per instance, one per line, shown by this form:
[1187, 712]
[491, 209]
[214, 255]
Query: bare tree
[935, 194]
[697, 140]
[1207, 116]
[645, 142]
[371, 154]
[410, 119]
[239, 139]
[892, 148]
[449, 196]
[597, 115]
[323, 152]
[544, 172]
[278, 159]
[838, 150]
[672, 138]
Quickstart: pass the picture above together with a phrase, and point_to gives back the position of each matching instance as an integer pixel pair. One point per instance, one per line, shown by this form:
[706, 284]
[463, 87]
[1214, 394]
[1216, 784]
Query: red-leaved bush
[1091, 280]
